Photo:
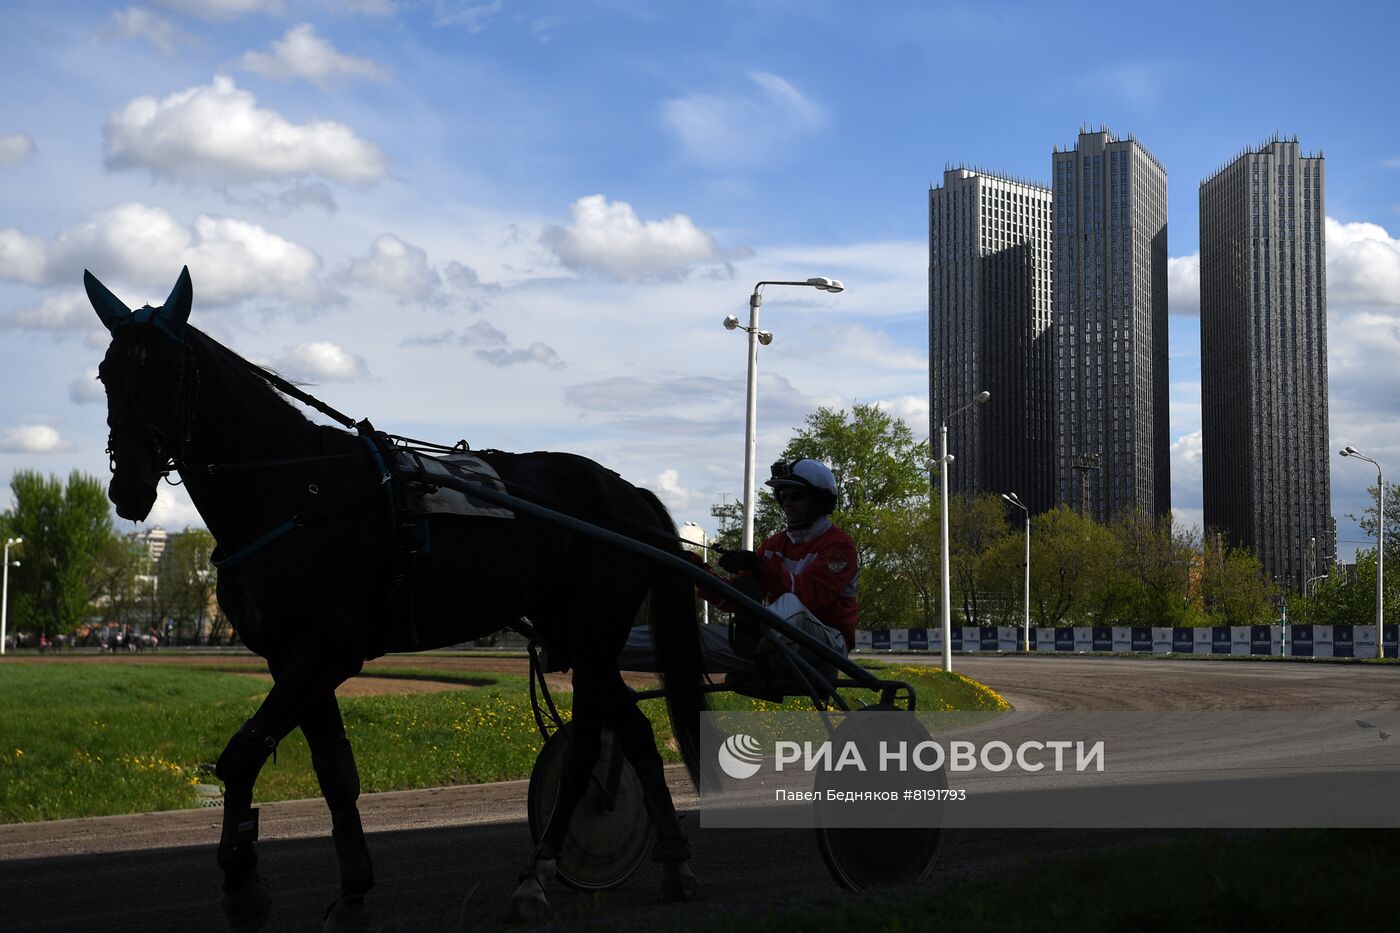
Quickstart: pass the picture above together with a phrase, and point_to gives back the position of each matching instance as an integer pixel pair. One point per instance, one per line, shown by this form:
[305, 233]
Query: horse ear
[108, 306]
[177, 306]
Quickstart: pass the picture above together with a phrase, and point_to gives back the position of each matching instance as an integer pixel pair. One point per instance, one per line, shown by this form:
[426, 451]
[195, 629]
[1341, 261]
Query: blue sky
[521, 223]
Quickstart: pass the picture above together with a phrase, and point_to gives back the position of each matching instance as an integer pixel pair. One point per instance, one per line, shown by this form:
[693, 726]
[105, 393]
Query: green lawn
[98, 739]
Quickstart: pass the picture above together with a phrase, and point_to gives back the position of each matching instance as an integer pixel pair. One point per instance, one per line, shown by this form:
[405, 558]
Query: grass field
[101, 739]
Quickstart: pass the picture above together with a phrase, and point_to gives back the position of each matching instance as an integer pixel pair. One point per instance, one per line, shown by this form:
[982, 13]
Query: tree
[1155, 559]
[1349, 597]
[67, 528]
[187, 580]
[1233, 588]
[1367, 521]
[976, 524]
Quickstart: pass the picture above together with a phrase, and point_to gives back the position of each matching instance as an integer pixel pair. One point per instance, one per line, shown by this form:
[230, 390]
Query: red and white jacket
[819, 566]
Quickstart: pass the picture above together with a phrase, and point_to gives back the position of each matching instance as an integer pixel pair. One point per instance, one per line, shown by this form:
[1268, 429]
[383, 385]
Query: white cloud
[63, 311]
[86, 390]
[31, 439]
[474, 16]
[217, 134]
[492, 346]
[1363, 265]
[1187, 485]
[228, 259]
[744, 129]
[15, 148]
[321, 361]
[608, 238]
[317, 195]
[1184, 284]
[136, 22]
[219, 10]
[874, 348]
[668, 488]
[398, 268]
[913, 410]
[303, 54]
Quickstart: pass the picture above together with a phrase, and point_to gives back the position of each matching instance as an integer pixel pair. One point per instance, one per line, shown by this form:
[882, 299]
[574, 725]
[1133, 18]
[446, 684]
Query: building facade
[1264, 359]
[989, 285]
[1112, 448]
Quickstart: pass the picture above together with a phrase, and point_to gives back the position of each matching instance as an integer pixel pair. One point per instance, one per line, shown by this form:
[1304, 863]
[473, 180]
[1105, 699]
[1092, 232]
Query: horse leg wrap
[237, 855]
[243, 758]
[356, 869]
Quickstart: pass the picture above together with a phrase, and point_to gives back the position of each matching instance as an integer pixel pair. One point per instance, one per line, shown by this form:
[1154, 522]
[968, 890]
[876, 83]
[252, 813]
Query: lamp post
[757, 337]
[5, 591]
[946, 596]
[1011, 497]
[1380, 546]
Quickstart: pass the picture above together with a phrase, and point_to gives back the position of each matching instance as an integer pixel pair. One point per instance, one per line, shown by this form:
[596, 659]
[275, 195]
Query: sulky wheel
[610, 832]
[863, 857]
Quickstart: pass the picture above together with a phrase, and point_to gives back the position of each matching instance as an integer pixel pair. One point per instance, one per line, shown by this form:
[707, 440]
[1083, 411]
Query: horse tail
[673, 628]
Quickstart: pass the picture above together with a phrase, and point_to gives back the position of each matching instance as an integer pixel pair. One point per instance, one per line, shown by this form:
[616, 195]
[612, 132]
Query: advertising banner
[989, 637]
[1300, 641]
[972, 638]
[1202, 638]
[1083, 638]
[899, 639]
[1220, 639]
[1183, 640]
[880, 640]
[918, 639]
[1122, 638]
[1161, 640]
[1322, 641]
[1261, 639]
[1364, 641]
[957, 633]
[1239, 639]
[935, 638]
[1064, 639]
[1009, 637]
[1343, 641]
[1141, 639]
[1392, 641]
[862, 639]
[1102, 636]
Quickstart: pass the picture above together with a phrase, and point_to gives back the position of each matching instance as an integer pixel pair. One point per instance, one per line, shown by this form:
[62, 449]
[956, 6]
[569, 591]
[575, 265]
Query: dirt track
[450, 853]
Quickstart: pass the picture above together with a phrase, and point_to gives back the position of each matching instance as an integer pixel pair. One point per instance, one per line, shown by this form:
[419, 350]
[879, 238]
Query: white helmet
[808, 474]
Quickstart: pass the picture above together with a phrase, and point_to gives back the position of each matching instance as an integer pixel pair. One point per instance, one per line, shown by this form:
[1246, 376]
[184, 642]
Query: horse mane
[282, 423]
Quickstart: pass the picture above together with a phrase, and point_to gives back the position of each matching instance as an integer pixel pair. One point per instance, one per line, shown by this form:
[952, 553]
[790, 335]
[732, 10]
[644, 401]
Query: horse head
[150, 379]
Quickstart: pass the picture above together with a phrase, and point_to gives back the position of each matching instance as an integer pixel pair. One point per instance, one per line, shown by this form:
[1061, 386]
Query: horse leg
[529, 902]
[246, 901]
[334, 761]
[672, 850]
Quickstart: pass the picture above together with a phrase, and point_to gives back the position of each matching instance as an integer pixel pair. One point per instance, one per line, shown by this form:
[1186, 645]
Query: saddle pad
[444, 501]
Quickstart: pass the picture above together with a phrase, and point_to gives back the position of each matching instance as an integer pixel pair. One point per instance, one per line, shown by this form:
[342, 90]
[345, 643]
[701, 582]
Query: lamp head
[1011, 497]
[1348, 450]
[826, 284]
[765, 337]
[982, 397]
[14, 541]
[731, 322]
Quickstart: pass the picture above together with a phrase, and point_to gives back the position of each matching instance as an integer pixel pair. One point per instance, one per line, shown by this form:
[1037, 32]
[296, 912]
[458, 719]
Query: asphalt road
[447, 858]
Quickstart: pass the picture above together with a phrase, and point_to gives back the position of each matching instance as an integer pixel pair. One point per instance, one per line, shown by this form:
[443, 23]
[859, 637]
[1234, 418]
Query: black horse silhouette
[321, 571]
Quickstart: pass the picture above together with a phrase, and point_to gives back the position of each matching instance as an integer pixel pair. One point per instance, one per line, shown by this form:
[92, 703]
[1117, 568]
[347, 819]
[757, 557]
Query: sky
[522, 223]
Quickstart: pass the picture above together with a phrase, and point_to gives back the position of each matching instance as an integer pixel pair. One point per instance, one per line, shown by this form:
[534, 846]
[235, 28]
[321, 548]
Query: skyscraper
[1110, 249]
[1264, 359]
[989, 321]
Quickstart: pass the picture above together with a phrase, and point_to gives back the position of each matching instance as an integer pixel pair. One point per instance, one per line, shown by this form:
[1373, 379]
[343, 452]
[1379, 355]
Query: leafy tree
[187, 580]
[116, 590]
[1233, 588]
[1071, 561]
[1155, 560]
[1349, 597]
[66, 528]
[976, 524]
[1367, 521]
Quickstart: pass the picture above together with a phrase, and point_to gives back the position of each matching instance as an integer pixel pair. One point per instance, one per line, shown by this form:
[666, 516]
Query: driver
[806, 574]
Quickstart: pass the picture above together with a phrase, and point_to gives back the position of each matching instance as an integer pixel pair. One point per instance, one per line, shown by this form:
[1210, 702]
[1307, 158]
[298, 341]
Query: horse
[319, 572]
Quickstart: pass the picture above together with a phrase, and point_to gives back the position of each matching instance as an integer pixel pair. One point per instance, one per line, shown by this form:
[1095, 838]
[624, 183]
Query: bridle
[167, 430]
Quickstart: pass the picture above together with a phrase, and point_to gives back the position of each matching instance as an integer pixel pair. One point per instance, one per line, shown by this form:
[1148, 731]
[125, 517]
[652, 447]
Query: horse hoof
[246, 909]
[346, 915]
[528, 904]
[678, 882]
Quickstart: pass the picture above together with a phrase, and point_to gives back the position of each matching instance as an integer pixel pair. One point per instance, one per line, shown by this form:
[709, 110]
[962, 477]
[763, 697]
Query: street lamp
[757, 337]
[1380, 546]
[1011, 497]
[5, 590]
[944, 459]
